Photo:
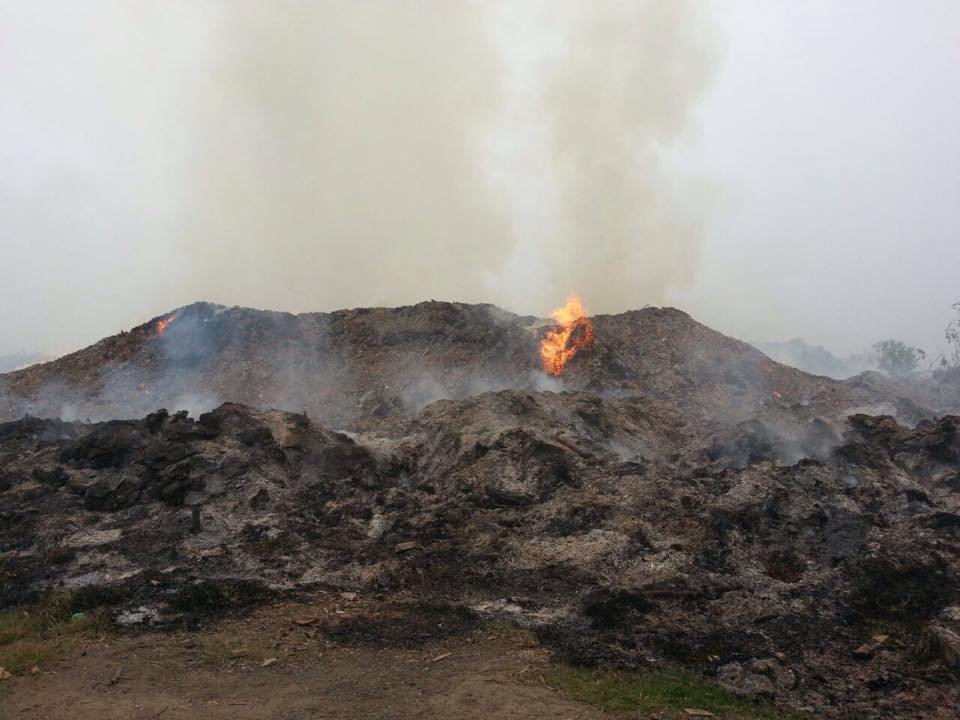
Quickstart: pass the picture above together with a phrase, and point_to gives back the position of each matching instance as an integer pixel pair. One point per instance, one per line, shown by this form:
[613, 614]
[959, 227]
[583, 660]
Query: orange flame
[162, 325]
[573, 333]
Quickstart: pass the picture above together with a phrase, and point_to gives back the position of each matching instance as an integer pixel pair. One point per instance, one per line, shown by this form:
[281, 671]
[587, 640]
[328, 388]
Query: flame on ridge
[573, 333]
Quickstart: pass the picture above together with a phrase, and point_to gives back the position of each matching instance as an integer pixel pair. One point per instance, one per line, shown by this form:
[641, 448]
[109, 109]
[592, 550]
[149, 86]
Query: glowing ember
[162, 325]
[573, 333]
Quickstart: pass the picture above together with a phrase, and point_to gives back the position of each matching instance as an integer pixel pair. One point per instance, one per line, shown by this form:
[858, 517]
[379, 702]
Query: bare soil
[219, 672]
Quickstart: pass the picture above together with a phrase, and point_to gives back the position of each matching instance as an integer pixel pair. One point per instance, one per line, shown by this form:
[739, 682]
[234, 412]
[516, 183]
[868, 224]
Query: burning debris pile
[684, 500]
[574, 332]
[346, 367]
[522, 505]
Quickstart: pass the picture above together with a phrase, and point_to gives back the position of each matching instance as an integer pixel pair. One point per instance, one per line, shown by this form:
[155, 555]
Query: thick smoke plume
[341, 155]
[338, 155]
[318, 155]
[629, 228]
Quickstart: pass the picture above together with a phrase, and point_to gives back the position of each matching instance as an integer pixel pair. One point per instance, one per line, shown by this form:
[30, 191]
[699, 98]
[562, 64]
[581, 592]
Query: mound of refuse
[606, 525]
[345, 367]
[674, 499]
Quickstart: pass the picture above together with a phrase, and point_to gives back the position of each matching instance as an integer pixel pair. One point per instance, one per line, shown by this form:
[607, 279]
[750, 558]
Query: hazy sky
[832, 136]
[776, 168]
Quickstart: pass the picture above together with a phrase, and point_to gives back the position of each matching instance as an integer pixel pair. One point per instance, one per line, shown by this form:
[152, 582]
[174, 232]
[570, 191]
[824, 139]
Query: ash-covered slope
[345, 367]
[339, 367]
[832, 585]
[677, 497]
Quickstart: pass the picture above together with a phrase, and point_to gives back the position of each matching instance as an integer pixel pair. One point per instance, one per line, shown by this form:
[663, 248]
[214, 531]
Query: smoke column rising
[311, 156]
[341, 160]
[337, 156]
[630, 228]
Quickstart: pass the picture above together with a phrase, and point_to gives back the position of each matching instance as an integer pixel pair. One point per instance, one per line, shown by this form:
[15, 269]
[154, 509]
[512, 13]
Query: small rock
[269, 661]
[348, 595]
[407, 546]
[4, 674]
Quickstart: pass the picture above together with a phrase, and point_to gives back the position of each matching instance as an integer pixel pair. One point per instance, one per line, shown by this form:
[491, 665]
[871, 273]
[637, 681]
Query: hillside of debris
[674, 499]
[346, 367]
[604, 525]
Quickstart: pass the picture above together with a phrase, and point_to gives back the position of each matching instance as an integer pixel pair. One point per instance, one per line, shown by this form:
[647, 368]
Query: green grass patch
[666, 693]
[38, 635]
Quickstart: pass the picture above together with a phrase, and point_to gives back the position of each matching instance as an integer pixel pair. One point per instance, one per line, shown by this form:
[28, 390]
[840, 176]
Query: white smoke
[310, 156]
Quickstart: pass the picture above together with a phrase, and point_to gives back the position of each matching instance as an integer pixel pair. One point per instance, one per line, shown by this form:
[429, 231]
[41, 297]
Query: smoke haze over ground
[777, 170]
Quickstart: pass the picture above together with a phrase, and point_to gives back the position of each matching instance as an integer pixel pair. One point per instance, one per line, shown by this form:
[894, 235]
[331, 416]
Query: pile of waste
[673, 499]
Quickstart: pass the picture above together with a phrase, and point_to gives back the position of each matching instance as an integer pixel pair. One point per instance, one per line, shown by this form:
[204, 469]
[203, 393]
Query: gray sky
[832, 136]
[778, 169]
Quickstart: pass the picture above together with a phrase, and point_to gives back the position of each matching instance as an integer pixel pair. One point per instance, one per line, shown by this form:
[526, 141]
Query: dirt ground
[228, 671]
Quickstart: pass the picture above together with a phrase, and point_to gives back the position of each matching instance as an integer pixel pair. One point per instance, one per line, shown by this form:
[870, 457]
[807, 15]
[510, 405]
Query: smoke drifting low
[311, 156]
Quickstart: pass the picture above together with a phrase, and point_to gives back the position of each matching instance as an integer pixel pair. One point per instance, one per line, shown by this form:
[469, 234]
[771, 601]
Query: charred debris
[675, 498]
